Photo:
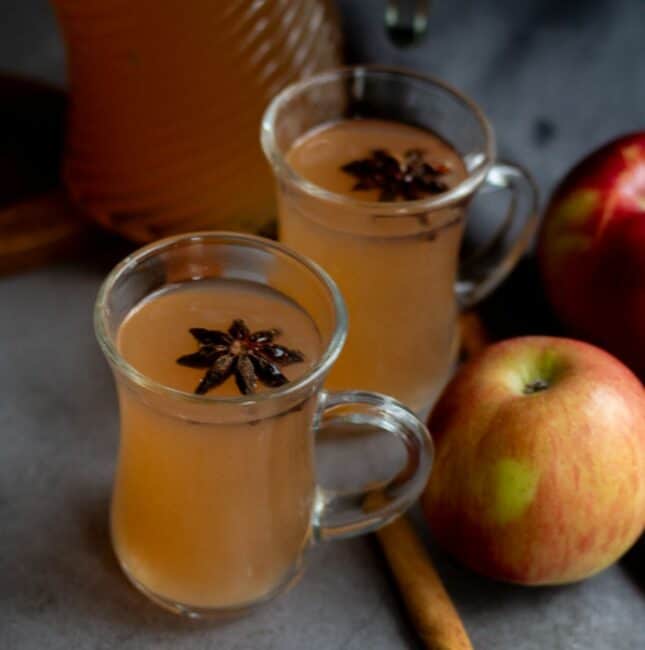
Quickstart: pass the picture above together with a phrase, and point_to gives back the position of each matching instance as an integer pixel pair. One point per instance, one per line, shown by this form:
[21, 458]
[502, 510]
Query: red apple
[592, 249]
[539, 475]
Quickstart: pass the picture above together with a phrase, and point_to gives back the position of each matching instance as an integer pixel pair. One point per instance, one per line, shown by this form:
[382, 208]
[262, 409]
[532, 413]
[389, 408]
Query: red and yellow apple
[592, 249]
[539, 475]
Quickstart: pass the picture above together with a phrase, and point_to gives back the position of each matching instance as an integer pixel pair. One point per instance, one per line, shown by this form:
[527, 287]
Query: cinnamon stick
[428, 604]
[474, 337]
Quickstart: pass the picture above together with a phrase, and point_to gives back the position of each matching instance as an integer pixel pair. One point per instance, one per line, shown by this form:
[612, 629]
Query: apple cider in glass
[397, 274]
[212, 514]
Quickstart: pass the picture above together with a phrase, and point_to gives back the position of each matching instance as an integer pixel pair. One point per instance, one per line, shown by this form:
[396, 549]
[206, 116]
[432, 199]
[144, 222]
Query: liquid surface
[396, 274]
[319, 155]
[156, 332]
[207, 513]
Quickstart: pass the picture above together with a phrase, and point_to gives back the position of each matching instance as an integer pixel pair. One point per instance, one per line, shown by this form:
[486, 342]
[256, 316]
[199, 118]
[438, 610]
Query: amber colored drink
[166, 101]
[211, 515]
[397, 275]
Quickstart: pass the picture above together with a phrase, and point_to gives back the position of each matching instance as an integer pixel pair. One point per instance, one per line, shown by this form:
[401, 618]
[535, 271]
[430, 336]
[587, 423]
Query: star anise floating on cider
[249, 356]
[409, 178]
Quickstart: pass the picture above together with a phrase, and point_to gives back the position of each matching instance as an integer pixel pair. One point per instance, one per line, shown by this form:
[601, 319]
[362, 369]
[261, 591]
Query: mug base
[216, 612]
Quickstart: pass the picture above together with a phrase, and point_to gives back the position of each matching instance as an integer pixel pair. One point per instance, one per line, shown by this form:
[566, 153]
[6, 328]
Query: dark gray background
[557, 78]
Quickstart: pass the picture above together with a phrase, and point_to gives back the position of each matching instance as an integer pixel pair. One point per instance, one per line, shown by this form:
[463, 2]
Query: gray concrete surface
[557, 78]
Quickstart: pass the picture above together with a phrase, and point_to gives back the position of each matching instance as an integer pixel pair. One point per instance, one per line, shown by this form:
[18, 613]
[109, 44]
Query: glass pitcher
[166, 102]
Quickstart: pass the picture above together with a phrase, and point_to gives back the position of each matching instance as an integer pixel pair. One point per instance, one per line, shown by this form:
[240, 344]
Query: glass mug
[397, 263]
[215, 499]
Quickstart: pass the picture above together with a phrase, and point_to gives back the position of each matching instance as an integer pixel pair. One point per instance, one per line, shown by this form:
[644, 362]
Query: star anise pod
[249, 356]
[410, 178]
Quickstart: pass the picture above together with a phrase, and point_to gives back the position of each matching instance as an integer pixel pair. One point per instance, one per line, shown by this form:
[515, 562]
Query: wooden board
[38, 230]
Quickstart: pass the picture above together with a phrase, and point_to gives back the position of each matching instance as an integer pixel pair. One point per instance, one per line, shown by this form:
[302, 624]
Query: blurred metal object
[406, 21]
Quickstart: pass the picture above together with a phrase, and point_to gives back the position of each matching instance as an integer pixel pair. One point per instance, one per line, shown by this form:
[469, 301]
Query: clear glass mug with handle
[397, 262]
[215, 498]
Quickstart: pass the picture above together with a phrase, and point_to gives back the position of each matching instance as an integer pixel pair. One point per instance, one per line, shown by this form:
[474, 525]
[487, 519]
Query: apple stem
[535, 386]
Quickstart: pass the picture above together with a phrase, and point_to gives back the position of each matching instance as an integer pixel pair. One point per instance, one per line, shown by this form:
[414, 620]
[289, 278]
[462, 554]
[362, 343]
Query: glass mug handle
[485, 268]
[340, 514]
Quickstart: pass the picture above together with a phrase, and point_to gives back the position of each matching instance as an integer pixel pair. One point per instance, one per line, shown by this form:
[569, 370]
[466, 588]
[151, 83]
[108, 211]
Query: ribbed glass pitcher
[166, 101]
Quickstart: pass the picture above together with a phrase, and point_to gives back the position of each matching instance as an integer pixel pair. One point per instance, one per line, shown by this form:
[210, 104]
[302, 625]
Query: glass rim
[282, 168]
[109, 347]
